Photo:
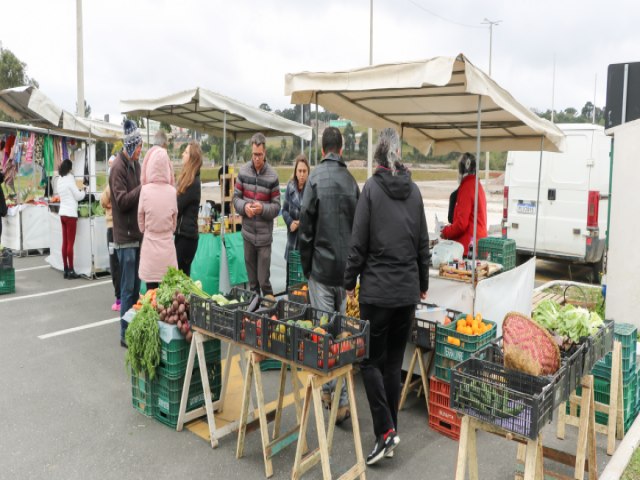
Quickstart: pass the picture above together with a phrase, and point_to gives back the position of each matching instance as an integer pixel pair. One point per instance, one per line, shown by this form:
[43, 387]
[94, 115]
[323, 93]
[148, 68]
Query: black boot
[72, 274]
[66, 273]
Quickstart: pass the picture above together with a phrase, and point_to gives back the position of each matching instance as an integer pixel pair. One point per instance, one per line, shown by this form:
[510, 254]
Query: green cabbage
[567, 321]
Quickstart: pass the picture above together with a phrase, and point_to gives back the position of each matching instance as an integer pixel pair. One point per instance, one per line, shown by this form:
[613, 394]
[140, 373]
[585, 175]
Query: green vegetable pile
[174, 280]
[487, 399]
[567, 321]
[143, 341]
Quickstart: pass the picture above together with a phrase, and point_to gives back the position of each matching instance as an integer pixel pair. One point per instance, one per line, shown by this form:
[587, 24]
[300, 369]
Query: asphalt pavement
[67, 412]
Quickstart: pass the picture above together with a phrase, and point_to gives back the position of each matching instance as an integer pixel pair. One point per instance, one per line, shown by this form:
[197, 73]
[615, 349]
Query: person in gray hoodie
[390, 253]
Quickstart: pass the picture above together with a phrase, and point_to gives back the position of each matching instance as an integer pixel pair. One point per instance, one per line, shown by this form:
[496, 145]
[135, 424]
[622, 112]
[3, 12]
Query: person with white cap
[124, 183]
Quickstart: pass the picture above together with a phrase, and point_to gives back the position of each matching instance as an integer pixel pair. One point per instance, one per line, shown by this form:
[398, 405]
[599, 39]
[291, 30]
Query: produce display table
[90, 251]
[26, 227]
[312, 399]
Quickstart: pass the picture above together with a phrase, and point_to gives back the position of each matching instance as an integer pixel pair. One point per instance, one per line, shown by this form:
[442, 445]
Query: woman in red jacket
[461, 230]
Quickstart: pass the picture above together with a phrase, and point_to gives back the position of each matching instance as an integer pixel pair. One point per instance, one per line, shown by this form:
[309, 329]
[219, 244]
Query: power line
[416, 4]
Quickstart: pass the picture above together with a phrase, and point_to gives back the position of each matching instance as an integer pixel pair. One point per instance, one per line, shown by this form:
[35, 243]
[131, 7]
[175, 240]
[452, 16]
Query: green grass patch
[632, 472]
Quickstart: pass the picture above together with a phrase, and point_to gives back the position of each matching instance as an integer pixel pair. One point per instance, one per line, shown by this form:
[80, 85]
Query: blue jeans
[330, 299]
[129, 259]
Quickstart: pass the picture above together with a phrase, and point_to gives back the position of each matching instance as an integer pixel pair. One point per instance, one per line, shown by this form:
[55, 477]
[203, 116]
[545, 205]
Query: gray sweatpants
[258, 263]
[329, 299]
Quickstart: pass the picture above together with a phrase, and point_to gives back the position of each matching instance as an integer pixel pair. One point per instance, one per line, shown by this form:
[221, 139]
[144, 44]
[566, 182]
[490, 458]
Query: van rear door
[564, 195]
[521, 177]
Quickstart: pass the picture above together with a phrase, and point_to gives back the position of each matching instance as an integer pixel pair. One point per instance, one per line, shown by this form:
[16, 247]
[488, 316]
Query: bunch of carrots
[149, 297]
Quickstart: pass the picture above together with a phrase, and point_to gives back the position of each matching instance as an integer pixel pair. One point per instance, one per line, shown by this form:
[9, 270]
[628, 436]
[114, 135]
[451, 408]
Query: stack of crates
[626, 334]
[442, 418]
[498, 250]
[449, 354]
[160, 397]
[297, 282]
[7, 273]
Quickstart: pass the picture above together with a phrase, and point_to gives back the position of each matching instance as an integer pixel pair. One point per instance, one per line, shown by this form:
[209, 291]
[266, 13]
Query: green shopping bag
[206, 264]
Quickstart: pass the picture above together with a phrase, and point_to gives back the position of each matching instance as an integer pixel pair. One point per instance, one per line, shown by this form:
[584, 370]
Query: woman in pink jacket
[157, 213]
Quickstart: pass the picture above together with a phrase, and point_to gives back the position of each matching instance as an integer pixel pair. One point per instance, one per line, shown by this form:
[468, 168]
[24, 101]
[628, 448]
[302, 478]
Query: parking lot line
[76, 329]
[53, 292]
[32, 268]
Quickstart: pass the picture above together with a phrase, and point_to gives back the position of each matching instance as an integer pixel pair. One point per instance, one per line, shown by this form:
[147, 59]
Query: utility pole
[370, 131]
[491, 23]
[80, 65]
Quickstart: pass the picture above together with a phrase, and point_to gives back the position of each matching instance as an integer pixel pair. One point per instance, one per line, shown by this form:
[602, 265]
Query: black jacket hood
[397, 186]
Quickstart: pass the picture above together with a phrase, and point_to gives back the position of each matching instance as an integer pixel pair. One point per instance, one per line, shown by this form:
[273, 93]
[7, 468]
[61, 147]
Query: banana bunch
[353, 306]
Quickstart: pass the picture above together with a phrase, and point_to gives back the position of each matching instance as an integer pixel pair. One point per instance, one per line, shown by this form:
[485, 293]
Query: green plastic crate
[498, 250]
[7, 281]
[604, 373]
[144, 394]
[626, 334]
[443, 367]
[601, 393]
[468, 343]
[270, 364]
[294, 272]
[174, 355]
[169, 393]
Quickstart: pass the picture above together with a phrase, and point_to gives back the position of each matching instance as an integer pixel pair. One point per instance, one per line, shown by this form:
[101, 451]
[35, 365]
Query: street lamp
[491, 23]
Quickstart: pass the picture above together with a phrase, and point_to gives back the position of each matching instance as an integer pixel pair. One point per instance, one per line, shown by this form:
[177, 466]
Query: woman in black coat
[189, 194]
[390, 253]
[292, 203]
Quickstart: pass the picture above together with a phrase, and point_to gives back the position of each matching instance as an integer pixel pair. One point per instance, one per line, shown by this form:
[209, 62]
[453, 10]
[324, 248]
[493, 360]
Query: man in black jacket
[328, 206]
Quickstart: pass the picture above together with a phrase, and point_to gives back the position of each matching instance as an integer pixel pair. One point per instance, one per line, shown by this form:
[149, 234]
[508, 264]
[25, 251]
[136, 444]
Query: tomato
[334, 349]
[320, 363]
[242, 335]
[331, 362]
[314, 338]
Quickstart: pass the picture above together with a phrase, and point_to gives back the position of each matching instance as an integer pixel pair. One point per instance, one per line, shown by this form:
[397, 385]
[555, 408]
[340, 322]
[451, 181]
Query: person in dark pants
[124, 183]
[390, 252]
[189, 193]
[114, 265]
[257, 198]
[3, 203]
[70, 195]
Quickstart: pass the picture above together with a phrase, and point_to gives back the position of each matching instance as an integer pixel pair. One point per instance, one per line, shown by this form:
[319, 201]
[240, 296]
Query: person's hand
[248, 210]
[257, 208]
[351, 293]
[294, 225]
[423, 295]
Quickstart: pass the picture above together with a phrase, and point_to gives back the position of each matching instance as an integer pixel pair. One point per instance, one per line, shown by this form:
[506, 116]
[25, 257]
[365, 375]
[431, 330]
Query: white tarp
[434, 103]
[623, 286]
[30, 104]
[204, 110]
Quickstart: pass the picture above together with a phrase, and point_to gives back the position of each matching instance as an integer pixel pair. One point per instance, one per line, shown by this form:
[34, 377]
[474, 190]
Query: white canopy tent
[209, 112]
[443, 104]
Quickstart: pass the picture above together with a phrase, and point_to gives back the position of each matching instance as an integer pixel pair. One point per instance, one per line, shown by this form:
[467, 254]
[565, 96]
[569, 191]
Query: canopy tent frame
[197, 109]
[367, 95]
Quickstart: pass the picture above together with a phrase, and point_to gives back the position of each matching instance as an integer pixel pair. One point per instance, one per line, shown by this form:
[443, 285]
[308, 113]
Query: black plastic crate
[6, 259]
[220, 319]
[280, 334]
[299, 293]
[598, 345]
[423, 331]
[326, 352]
[514, 401]
[564, 381]
[251, 327]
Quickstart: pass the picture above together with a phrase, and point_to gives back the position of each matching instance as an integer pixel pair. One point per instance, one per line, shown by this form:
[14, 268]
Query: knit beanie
[132, 137]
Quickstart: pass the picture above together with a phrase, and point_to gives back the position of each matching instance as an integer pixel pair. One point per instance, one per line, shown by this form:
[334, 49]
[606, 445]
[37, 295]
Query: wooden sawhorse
[197, 347]
[312, 398]
[532, 452]
[423, 382]
[615, 426]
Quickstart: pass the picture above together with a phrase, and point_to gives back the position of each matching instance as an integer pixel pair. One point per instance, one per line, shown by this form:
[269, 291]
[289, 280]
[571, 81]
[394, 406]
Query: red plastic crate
[444, 420]
[439, 392]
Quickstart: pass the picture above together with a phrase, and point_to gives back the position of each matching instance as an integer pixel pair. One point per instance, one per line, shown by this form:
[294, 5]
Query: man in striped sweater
[257, 198]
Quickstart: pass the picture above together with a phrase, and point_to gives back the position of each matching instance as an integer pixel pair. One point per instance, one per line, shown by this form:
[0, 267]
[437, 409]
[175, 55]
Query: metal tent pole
[535, 231]
[475, 204]
[224, 179]
[315, 161]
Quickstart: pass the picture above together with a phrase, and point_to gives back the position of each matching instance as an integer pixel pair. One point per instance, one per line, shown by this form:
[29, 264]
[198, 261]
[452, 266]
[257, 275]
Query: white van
[574, 186]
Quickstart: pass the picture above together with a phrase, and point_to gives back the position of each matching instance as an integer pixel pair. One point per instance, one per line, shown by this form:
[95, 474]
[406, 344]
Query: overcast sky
[243, 48]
